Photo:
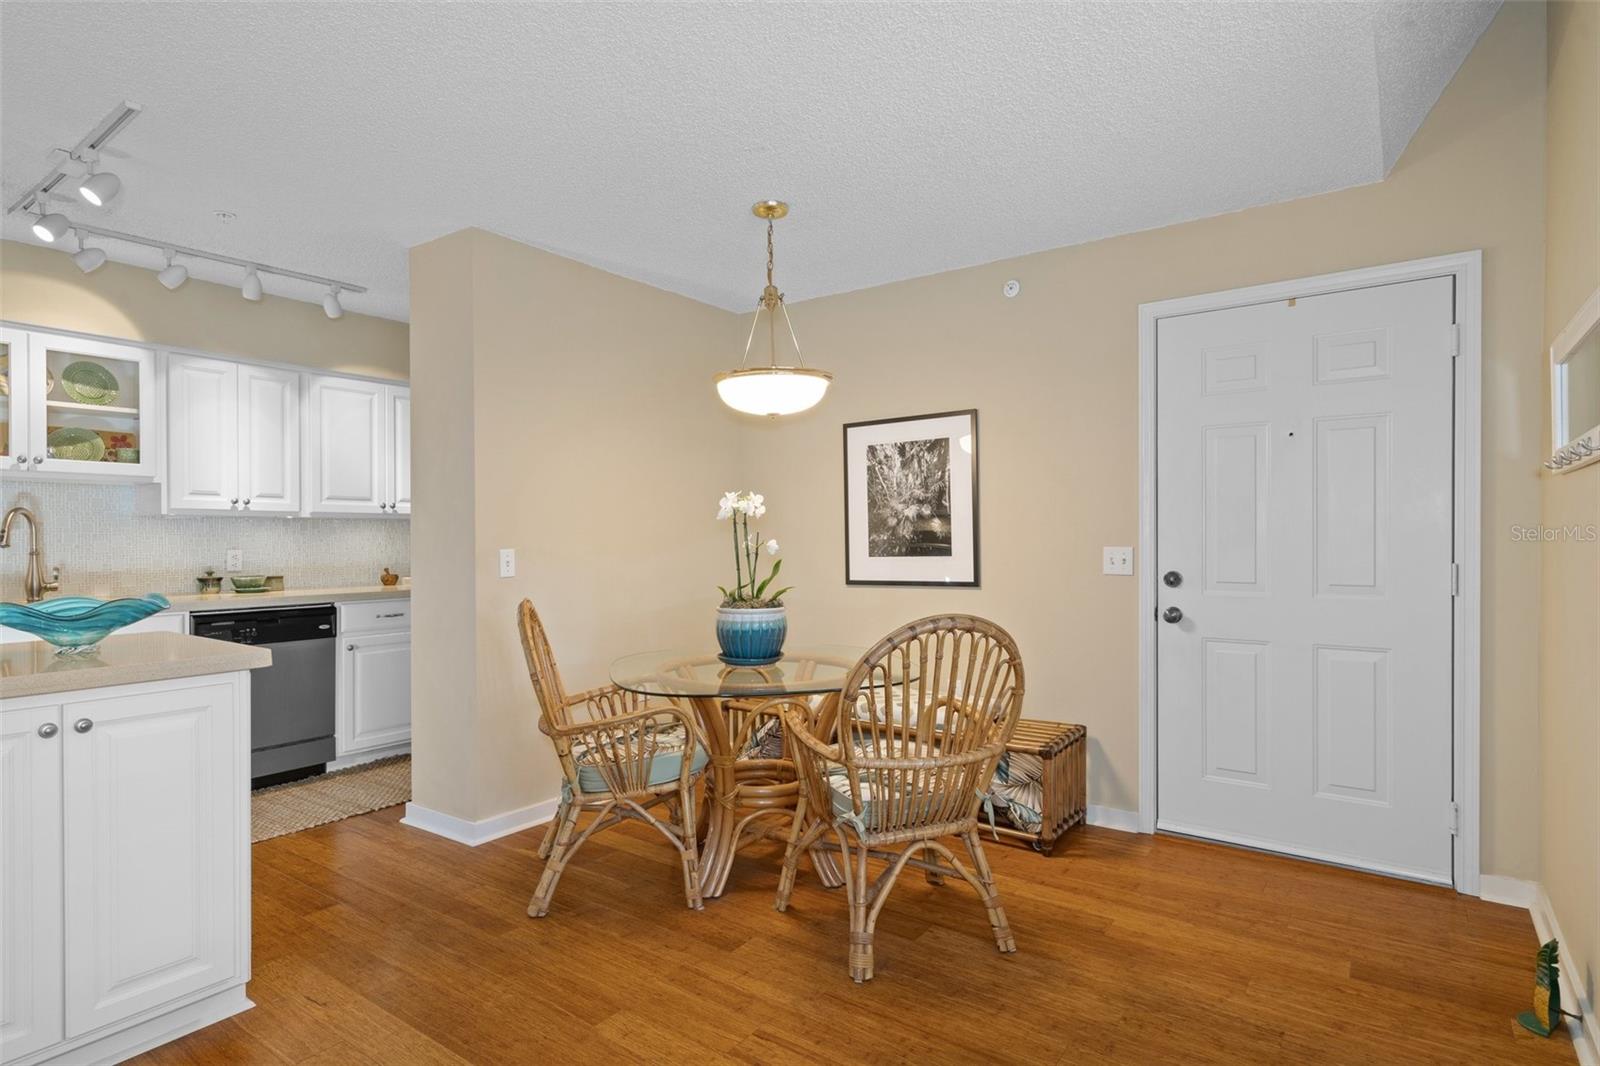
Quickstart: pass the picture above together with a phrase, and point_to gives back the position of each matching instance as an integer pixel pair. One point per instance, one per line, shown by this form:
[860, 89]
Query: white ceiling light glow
[174, 275]
[251, 289]
[99, 189]
[88, 259]
[772, 389]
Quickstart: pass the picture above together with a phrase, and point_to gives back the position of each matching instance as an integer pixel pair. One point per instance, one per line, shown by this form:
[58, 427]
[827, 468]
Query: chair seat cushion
[873, 805]
[665, 763]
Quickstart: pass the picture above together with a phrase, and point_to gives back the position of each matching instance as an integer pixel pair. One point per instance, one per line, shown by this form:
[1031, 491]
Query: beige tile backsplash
[105, 548]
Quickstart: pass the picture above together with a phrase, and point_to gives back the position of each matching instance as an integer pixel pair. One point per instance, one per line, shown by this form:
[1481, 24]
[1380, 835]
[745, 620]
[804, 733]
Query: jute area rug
[315, 801]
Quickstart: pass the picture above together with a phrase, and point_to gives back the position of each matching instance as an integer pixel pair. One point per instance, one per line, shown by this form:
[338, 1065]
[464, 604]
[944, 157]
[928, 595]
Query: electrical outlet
[1117, 561]
[508, 562]
[235, 562]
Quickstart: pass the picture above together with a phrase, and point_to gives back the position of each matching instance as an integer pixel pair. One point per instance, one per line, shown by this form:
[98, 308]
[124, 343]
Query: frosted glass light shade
[773, 390]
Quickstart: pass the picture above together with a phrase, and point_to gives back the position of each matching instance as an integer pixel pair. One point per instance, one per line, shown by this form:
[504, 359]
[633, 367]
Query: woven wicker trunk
[1061, 747]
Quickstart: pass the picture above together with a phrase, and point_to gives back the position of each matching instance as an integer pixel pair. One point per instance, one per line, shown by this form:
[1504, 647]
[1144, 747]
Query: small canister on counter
[211, 583]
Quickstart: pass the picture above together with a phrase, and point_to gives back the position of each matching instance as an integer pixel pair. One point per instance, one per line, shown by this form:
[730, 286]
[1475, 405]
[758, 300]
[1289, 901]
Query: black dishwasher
[291, 701]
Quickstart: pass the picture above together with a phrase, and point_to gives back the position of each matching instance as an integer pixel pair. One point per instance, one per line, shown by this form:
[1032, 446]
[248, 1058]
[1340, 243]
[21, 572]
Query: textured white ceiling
[910, 138]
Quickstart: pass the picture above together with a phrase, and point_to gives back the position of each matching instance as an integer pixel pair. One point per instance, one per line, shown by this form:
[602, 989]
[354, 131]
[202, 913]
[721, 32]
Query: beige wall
[41, 286]
[569, 414]
[1053, 374]
[1570, 630]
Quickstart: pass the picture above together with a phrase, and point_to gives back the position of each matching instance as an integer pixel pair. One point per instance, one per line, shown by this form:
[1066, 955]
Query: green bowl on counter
[249, 583]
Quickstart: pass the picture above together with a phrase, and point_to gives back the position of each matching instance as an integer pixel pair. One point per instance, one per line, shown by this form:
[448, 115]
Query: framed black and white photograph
[911, 500]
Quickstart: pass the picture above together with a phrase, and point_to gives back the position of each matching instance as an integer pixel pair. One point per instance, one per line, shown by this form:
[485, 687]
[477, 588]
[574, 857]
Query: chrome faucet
[34, 586]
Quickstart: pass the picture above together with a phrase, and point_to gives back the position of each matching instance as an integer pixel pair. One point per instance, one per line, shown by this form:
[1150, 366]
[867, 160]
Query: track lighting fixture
[88, 259]
[98, 189]
[330, 303]
[251, 289]
[174, 275]
[50, 227]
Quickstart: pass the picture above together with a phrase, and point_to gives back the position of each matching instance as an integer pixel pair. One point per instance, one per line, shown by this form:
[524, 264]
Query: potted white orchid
[752, 621]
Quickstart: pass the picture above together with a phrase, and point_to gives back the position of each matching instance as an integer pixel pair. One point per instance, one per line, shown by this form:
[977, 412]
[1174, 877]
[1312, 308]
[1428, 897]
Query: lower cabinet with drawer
[374, 678]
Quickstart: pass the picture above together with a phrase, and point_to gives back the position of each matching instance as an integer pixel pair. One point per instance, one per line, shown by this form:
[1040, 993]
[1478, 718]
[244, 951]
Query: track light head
[88, 259]
[50, 227]
[174, 275]
[99, 189]
[330, 303]
[251, 289]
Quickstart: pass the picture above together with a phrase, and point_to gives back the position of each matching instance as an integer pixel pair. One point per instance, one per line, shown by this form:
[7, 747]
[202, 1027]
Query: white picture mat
[958, 566]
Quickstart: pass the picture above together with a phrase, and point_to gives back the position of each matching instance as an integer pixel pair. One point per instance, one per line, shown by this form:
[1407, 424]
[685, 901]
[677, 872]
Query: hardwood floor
[378, 943]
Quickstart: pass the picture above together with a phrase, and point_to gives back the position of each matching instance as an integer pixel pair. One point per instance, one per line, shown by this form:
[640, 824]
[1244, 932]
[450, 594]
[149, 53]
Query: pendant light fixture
[773, 389]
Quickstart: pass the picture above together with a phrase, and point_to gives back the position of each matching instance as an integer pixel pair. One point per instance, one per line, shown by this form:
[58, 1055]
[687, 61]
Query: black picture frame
[854, 555]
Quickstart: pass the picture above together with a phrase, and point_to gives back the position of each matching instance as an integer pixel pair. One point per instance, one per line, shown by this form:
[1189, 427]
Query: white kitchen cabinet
[358, 447]
[373, 706]
[13, 399]
[124, 824]
[31, 1007]
[233, 437]
[78, 408]
[202, 434]
[399, 449]
[269, 440]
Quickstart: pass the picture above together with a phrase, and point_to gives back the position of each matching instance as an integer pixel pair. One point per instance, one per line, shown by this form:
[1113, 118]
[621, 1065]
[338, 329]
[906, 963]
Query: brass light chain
[772, 302]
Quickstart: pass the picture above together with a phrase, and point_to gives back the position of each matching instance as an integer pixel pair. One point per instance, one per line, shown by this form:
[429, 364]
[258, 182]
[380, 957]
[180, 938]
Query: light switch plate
[1117, 561]
[508, 562]
[235, 561]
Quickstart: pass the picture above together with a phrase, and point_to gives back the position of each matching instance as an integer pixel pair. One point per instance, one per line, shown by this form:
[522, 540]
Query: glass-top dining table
[744, 789]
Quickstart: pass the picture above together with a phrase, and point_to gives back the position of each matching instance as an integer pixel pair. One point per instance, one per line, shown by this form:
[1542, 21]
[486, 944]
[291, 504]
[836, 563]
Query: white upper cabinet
[399, 450]
[78, 408]
[202, 434]
[233, 432]
[269, 439]
[351, 431]
[13, 399]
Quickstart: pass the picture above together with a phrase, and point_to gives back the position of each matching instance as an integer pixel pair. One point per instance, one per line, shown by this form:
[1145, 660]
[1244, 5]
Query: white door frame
[1467, 269]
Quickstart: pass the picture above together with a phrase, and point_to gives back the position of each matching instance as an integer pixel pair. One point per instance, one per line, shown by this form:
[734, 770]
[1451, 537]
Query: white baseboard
[1512, 891]
[463, 831]
[162, 1028]
[361, 758]
[1585, 1032]
[1113, 818]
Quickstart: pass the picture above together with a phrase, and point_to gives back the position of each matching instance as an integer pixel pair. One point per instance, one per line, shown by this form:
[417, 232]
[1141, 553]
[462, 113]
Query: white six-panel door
[1304, 509]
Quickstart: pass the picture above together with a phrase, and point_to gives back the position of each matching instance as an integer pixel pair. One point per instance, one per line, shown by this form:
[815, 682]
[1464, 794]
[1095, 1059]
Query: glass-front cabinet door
[13, 399]
[91, 407]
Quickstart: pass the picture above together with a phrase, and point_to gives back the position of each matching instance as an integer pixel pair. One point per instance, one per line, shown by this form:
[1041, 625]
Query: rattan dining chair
[921, 724]
[621, 757]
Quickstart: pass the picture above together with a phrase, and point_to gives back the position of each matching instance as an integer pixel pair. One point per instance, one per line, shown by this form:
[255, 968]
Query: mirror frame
[1579, 447]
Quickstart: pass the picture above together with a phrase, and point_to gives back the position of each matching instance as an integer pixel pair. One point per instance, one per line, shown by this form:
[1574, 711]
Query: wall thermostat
[1012, 288]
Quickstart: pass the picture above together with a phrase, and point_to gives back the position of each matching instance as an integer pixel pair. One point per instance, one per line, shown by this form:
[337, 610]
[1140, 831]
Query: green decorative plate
[89, 382]
[69, 442]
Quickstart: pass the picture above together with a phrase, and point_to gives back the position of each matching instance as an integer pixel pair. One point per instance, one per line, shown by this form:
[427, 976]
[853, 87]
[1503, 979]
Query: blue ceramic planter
[78, 623]
[752, 636]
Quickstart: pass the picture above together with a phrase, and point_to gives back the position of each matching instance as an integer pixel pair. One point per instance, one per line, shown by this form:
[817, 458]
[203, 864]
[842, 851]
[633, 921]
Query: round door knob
[1172, 614]
[83, 725]
[1172, 579]
[247, 501]
[20, 460]
[37, 459]
[349, 647]
[234, 500]
[48, 730]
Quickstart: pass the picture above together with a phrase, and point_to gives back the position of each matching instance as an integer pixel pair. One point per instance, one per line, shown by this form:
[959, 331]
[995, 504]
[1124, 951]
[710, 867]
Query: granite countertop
[32, 668]
[234, 601]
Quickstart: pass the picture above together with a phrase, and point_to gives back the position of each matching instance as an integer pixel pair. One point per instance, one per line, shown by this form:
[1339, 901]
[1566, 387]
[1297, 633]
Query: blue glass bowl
[78, 623]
